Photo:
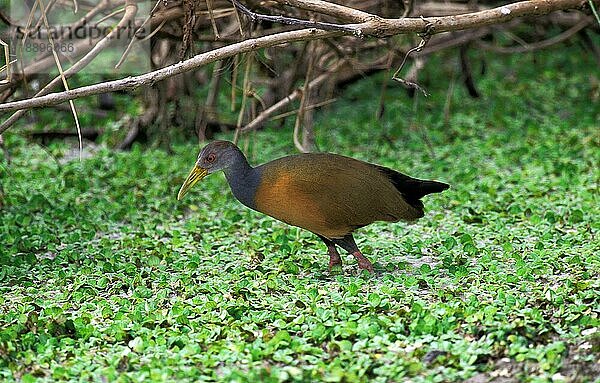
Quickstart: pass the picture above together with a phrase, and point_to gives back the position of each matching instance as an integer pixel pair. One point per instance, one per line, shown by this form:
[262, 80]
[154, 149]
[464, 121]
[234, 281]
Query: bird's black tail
[429, 187]
[413, 189]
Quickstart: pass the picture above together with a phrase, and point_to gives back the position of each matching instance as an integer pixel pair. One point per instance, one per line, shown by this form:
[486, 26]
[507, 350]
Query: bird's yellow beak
[196, 175]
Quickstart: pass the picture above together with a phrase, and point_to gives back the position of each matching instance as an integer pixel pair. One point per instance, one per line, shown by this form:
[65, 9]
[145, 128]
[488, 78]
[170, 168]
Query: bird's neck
[243, 180]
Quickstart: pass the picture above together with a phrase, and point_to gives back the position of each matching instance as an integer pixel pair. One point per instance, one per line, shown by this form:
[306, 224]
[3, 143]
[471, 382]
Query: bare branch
[303, 101]
[408, 83]
[308, 107]
[133, 37]
[44, 18]
[212, 18]
[330, 9]
[245, 92]
[503, 14]
[292, 21]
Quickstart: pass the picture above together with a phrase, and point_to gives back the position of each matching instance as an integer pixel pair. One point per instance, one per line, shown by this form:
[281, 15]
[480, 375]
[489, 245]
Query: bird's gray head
[218, 155]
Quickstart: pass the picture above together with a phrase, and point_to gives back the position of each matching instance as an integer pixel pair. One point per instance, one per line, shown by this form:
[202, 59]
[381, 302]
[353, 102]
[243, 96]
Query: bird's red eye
[211, 158]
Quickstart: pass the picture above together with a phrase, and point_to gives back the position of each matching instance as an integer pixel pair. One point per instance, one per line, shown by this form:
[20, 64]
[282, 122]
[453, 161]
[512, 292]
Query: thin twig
[409, 84]
[88, 16]
[331, 9]
[133, 37]
[267, 113]
[109, 16]
[212, 18]
[239, 21]
[594, 11]
[6, 20]
[255, 17]
[408, 7]
[304, 99]
[234, 75]
[245, 92]
[309, 107]
[155, 31]
[62, 76]
[47, 9]
[7, 63]
[29, 21]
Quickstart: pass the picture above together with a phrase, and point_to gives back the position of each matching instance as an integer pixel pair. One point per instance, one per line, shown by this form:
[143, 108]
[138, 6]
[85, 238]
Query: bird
[327, 194]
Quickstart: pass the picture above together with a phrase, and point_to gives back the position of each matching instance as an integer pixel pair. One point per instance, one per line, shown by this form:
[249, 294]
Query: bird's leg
[347, 243]
[334, 256]
[363, 262]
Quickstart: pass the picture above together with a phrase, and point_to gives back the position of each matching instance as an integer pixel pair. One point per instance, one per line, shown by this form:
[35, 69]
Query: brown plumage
[327, 194]
[332, 199]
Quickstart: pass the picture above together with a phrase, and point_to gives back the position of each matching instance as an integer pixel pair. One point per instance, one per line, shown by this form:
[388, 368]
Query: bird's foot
[363, 262]
[335, 261]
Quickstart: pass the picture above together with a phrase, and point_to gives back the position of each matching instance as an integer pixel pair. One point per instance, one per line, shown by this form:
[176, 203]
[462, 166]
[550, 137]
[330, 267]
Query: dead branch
[257, 17]
[326, 8]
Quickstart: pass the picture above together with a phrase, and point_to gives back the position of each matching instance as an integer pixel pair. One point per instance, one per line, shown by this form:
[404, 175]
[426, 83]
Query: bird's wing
[329, 194]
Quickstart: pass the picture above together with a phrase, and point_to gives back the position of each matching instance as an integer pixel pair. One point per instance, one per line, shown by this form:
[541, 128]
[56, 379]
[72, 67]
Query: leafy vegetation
[105, 276]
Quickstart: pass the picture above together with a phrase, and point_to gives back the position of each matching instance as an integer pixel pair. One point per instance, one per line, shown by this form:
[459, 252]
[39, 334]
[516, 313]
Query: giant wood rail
[327, 194]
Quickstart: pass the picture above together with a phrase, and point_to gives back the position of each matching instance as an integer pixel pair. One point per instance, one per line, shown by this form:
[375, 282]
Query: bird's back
[332, 195]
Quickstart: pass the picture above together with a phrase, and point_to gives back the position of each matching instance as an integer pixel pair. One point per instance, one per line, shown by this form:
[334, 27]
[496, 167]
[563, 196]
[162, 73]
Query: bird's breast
[283, 198]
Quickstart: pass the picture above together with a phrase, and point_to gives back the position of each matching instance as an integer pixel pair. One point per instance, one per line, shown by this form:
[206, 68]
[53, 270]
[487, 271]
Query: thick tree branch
[387, 27]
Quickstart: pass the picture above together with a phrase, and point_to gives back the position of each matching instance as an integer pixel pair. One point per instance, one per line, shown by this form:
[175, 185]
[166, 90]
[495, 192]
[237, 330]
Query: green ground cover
[104, 276]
